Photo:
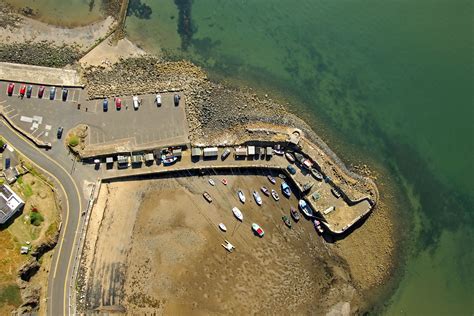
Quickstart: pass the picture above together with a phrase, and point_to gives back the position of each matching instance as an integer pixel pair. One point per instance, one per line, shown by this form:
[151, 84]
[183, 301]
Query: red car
[22, 90]
[40, 91]
[118, 103]
[11, 87]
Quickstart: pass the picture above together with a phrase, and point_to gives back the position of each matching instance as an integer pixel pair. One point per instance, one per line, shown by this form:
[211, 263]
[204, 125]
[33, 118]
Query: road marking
[67, 205]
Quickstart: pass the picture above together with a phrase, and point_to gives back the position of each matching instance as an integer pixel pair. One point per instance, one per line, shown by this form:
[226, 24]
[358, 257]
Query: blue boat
[286, 189]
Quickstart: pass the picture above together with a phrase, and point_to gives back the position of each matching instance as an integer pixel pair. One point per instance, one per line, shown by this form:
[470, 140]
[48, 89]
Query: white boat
[257, 197]
[286, 189]
[222, 227]
[241, 196]
[238, 214]
[211, 182]
[168, 160]
[305, 208]
[258, 230]
[228, 246]
[275, 195]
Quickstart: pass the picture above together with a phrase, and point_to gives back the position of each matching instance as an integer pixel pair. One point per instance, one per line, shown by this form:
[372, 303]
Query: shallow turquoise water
[385, 81]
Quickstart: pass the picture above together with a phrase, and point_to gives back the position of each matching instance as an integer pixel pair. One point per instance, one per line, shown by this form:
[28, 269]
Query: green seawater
[389, 82]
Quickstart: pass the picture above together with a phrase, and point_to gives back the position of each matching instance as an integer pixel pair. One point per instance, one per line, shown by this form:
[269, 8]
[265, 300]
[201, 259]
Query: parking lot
[148, 126]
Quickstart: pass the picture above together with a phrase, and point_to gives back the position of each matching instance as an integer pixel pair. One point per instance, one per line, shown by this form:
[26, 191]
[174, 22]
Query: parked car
[291, 169]
[52, 93]
[40, 92]
[136, 103]
[105, 105]
[158, 100]
[60, 132]
[65, 91]
[118, 103]
[11, 87]
[28, 91]
[176, 99]
[22, 90]
[225, 154]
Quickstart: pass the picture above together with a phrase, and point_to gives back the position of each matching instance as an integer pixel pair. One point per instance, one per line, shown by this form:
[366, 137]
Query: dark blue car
[105, 105]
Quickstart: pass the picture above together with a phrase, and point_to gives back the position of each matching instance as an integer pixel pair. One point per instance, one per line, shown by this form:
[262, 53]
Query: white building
[10, 203]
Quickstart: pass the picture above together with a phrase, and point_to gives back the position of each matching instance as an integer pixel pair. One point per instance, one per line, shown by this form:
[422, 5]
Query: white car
[136, 103]
[158, 100]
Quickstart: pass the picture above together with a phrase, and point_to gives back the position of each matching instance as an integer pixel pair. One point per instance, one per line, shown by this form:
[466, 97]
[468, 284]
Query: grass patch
[36, 218]
[73, 141]
[10, 295]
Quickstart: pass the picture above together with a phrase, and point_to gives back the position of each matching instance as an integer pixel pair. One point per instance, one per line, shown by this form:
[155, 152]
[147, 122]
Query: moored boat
[211, 182]
[257, 198]
[286, 189]
[278, 150]
[316, 174]
[287, 221]
[275, 195]
[238, 214]
[222, 227]
[207, 196]
[258, 230]
[294, 214]
[305, 208]
[241, 196]
[299, 157]
[317, 226]
[265, 191]
[271, 179]
[224, 181]
[168, 160]
[290, 157]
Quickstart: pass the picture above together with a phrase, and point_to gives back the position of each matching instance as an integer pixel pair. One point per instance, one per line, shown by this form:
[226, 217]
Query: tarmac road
[72, 201]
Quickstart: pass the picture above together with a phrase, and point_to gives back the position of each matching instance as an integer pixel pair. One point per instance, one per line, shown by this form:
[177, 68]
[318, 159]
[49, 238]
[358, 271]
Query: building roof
[269, 151]
[10, 203]
[196, 151]
[241, 151]
[251, 150]
[109, 160]
[177, 152]
[149, 157]
[210, 151]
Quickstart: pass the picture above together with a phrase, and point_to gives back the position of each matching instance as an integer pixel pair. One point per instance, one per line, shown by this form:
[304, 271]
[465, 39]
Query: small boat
[286, 189]
[258, 230]
[294, 214]
[222, 227]
[305, 208]
[299, 157]
[271, 179]
[281, 176]
[207, 196]
[265, 191]
[278, 151]
[287, 221]
[241, 196]
[257, 197]
[168, 160]
[238, 214]
[275, 195]
[228, 246]
[211, 182]
[308, 164]
[290, 157]
[336, 193]
[316, 174]
[317, 226]
[224, 181]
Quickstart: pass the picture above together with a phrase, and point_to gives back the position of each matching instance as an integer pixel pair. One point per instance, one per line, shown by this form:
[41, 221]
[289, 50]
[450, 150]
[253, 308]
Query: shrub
[73, 141]
[36, 218]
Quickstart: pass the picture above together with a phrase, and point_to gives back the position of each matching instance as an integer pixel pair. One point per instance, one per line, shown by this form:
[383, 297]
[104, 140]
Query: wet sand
[154, 246]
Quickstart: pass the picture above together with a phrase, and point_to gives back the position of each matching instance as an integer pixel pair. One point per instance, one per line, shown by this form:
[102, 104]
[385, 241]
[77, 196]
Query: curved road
[63, 258]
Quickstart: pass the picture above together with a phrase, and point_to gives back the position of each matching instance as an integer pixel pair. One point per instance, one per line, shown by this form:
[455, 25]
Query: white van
[158, 100]
[136, 103]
